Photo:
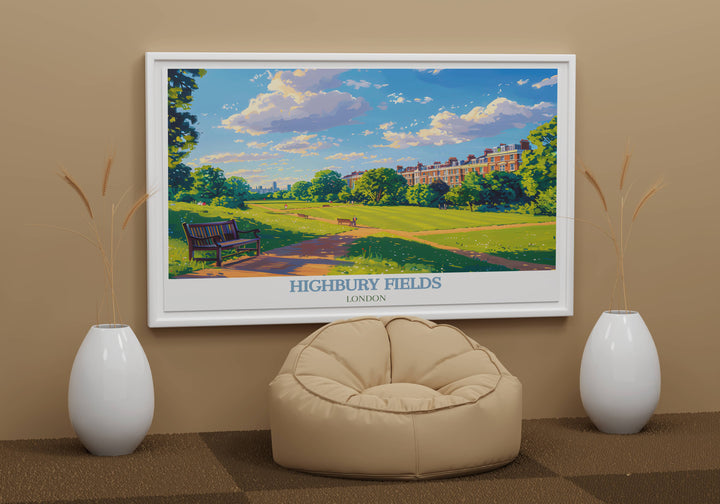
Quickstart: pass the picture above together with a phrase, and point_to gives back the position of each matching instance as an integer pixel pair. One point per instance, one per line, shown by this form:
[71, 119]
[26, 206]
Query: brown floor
[675, 459]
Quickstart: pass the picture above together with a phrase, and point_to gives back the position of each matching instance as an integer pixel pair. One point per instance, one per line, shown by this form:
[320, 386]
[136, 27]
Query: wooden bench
[348, 222]
[302, 215]
[219, 236]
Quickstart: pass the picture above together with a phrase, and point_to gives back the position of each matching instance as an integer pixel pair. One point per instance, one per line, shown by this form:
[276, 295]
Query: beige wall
[72, 86]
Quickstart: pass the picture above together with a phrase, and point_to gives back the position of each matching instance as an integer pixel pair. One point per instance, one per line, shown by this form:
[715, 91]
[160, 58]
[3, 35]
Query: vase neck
[620, 312]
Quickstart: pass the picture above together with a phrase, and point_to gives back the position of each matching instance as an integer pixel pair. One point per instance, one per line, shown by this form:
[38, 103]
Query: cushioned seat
[393, 398]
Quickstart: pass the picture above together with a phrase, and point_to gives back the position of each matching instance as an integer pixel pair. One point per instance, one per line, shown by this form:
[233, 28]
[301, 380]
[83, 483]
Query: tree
[185, 196]
[344, 195]
[209, 183]
[494, 189]
[470, 192]
[501, 188]
[440, 188]
[382, 186]
[461, 195]
[180, 179]
[300, 190]
[546, 202]
[182, 135]
[237, 192]
[539, 166]
[421, 195]
[324, 184]
[357, 195]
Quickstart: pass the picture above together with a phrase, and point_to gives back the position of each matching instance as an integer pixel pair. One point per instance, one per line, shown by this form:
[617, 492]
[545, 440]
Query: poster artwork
[349, 172]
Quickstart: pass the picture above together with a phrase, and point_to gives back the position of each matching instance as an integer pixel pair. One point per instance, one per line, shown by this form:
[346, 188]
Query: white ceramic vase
[620, 373]
[111, 398]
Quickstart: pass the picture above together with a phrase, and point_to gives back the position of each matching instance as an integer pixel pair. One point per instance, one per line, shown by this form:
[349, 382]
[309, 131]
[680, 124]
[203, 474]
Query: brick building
[505, 157]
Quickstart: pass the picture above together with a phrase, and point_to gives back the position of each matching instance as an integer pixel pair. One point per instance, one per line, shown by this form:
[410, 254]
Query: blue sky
[284, 125]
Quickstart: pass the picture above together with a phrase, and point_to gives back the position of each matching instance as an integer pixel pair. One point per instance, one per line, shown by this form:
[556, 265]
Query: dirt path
[317, 256]
[307, 258]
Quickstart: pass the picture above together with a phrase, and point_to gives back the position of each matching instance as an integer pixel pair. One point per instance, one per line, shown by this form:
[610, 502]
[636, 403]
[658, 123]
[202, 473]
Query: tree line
[531, 189]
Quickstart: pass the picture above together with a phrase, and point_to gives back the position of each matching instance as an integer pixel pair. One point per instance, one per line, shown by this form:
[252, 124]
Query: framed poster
[295, 188]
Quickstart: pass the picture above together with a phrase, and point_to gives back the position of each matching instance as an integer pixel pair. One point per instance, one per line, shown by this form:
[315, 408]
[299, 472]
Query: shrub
[185, 197]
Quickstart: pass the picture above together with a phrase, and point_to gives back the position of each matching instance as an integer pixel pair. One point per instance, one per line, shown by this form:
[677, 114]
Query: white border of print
[271, 300]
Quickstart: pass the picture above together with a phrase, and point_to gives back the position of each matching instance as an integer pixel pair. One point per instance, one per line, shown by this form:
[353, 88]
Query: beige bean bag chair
[393, 398]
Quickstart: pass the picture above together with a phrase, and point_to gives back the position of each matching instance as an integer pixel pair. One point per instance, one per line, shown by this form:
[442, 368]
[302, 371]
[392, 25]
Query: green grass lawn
[409, 218]
[276, 230]
[386, 254]
[531, 243]
[381, 253]
[291, 204]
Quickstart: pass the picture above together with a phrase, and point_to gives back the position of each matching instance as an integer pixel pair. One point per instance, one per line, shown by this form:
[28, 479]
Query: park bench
[302, 215]
[348, 222]
[219, 236]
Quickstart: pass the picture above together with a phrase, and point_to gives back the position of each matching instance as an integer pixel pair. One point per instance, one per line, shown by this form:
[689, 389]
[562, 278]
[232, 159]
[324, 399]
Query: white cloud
[551, 81]
[358, 84]
[522, 82]
[298, 101]
[258, 145]
[299, 82]
[399, 98]
[246, 173]
[385, 161]
[302, 144]
[386, 125]
[351, 156]
[367, 132]
[262, 177]
[380, 86]
[449, 128]
[267, 74]
[237, 157]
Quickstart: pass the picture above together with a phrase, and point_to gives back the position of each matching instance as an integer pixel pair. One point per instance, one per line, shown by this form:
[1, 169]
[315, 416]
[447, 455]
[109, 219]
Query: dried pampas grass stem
[619, 237]
[593, 181]
[623, 174]
[139, 203]
[106, 178]
[76, 187]
[99, 239]
[649, 194]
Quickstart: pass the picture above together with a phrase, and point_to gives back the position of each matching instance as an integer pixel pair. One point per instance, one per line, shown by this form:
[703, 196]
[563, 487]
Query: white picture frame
[286, 299]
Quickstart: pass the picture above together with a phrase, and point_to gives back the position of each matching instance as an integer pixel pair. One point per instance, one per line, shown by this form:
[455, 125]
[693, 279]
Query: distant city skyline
[281, 126]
